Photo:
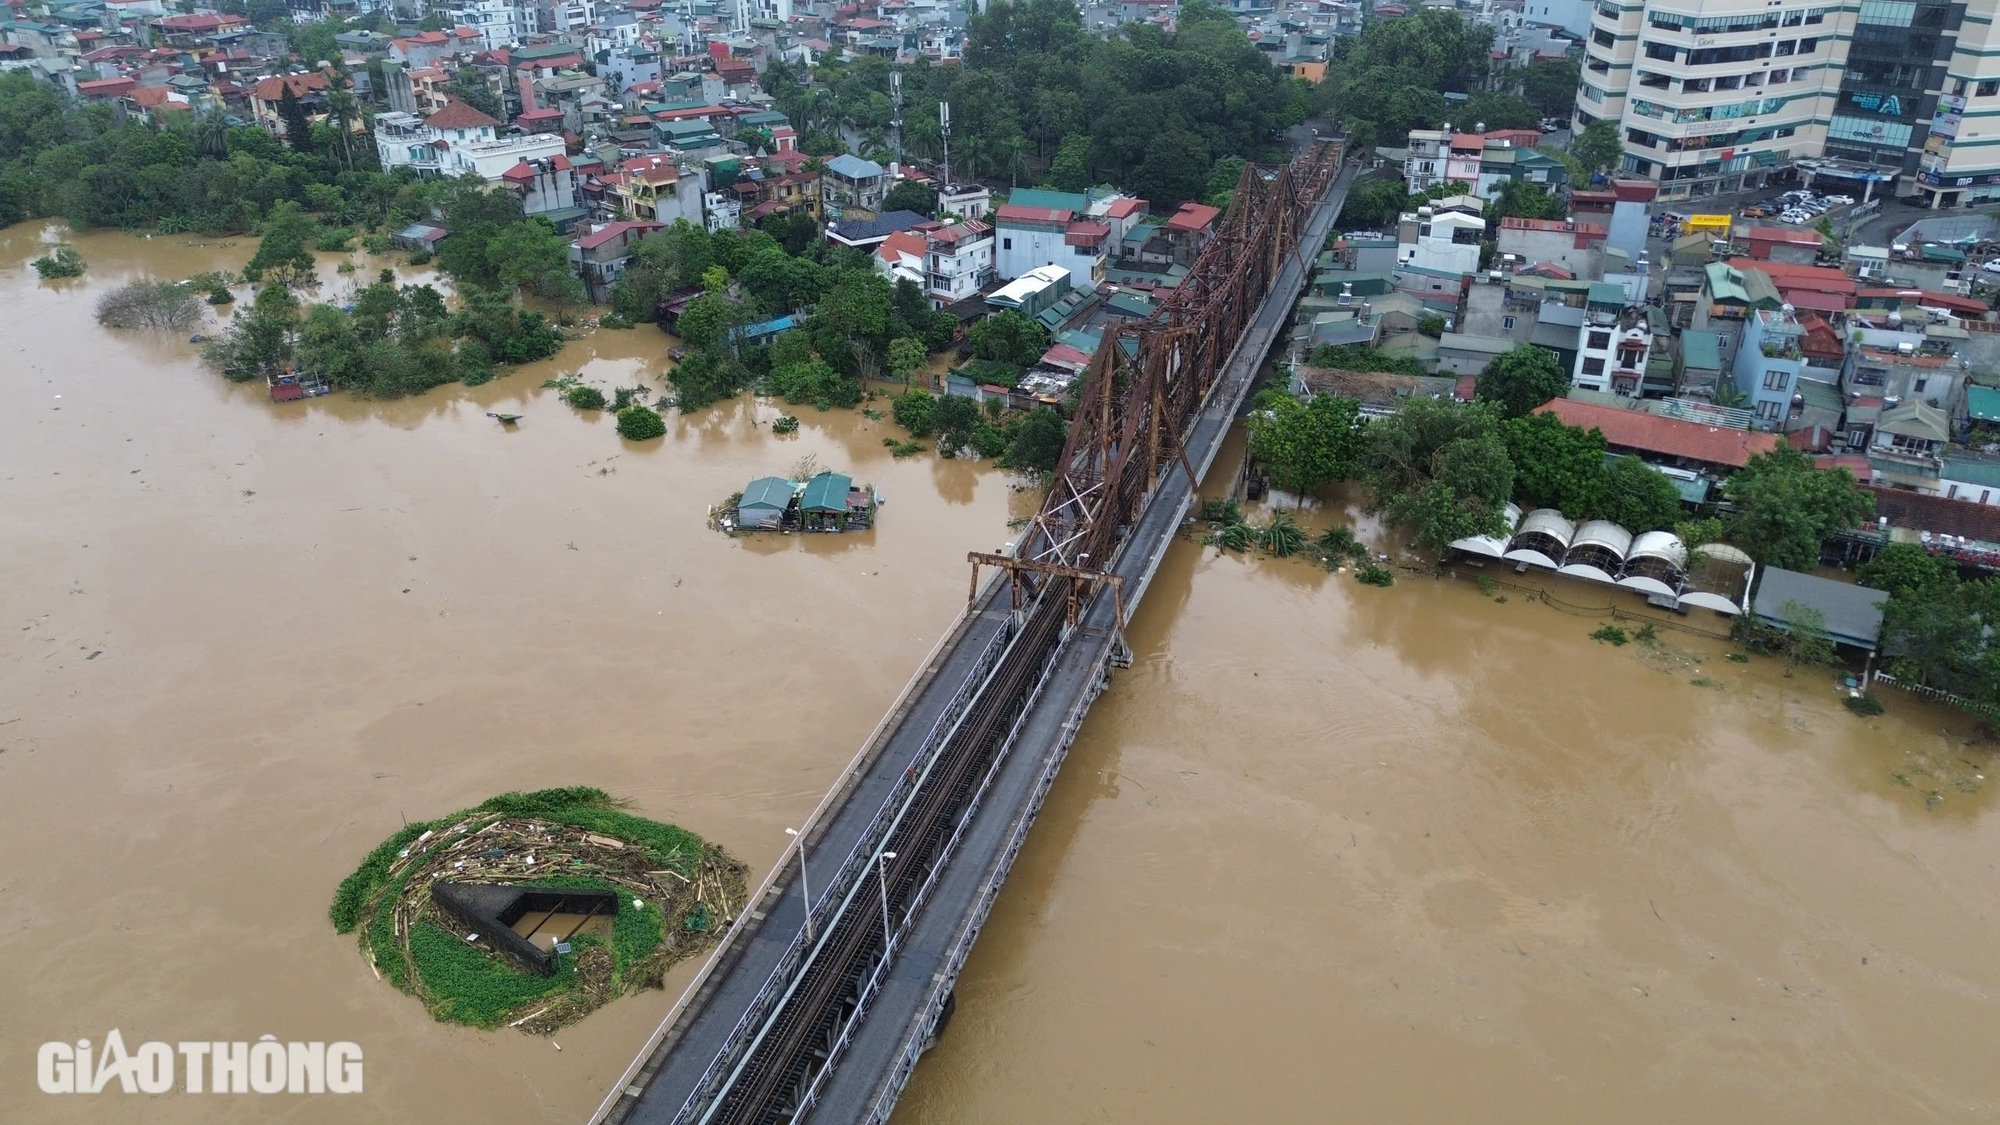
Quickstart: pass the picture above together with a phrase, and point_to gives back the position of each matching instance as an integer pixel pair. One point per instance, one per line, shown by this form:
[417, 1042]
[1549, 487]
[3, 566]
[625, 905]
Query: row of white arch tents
[1657, 564]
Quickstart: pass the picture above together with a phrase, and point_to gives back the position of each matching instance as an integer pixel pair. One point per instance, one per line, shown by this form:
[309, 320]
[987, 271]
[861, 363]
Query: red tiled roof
[198, 21]
[1939, 515]
[273, 89]
[1063, 355]
[1124, 206]
[149, 97]
[1468, 140]
[106, 87]
[1786, 275]
[521, 173]
[1813, 299]
[900, 243]
[1086, 234]
[458, 115]
[1022, 213]
[1651, 433]
[610, 231]
[1194, 216]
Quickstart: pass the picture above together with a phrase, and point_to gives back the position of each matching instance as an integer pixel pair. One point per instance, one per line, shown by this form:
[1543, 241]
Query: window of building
[1919, 387]
[1594, 367]
[1507, 322]
[1006, 244]
[1792, 19]
[1785, 47]
[1770, 410]
[1786, 131]
[1988, 89]
[1695, 85]
[1808, 45]
[1775, 380]
[1603, 38]
[1666, 52]
[1599, 341]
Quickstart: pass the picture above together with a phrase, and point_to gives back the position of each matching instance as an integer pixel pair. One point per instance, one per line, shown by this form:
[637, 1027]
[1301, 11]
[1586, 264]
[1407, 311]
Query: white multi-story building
[565, 17]
[1613, 345]
[951, 261]
[1445, 241]
[1712, 96]
[500, 23]
[455, 140]
[1423, 165]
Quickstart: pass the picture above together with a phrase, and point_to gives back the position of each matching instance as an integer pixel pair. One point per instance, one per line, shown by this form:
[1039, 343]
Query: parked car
[1796, 217]
[1840, 200]
[1757, 211]
[1992, 266]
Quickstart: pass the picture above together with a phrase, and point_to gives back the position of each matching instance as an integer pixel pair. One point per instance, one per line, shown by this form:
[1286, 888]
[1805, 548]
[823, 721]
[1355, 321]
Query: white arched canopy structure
[1597, 552]
[1655, 564]
[1542, 539]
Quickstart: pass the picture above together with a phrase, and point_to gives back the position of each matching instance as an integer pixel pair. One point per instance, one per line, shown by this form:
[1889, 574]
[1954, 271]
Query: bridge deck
[872, 1072]
[900, 1017]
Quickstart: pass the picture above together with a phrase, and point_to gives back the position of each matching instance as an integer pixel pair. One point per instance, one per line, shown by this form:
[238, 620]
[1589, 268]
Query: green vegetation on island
[675, 895]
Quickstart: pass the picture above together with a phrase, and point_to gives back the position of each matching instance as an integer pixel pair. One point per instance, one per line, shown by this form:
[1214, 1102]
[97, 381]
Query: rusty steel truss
[1147, 383]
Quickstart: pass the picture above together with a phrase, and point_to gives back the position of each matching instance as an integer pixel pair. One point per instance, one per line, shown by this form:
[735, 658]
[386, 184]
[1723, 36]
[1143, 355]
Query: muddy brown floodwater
[1325, 852]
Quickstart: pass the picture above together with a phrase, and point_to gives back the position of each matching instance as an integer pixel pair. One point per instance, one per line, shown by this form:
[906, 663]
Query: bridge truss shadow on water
[839, 974]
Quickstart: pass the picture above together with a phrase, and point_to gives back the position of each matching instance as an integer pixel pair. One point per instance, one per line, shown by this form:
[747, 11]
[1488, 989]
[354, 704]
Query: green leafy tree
[1697, 533]
[714, 279]
[1307, 444]
[911, 196]
[1009, 337]
[1373, 204]
[1523, 200]
[1906, 570]
[530, 256]
[1521, 380]
[1785, 506]
[1639, 497]
[639, 423]
[63, 261]
[915, 410]
[1556, 465]
[1440, 468]
[1070, 170]
[1037, 442]
[955, 417]
[705, 319]
[1598, 147]
[1497, 110]
[282, 255]
[906, 355]
[1550, 84]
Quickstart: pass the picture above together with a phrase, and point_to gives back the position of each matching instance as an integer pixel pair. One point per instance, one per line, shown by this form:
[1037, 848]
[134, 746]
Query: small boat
[510, 419]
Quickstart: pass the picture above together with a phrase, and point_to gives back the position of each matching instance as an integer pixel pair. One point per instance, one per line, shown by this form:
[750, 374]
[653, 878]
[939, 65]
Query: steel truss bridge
[827, 989]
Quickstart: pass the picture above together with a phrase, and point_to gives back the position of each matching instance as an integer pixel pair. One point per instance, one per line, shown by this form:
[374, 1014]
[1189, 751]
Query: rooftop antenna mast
[944, 132]
[896, 119]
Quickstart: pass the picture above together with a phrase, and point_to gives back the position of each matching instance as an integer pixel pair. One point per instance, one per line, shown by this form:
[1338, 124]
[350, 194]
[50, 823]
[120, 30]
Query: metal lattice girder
[1131, 412]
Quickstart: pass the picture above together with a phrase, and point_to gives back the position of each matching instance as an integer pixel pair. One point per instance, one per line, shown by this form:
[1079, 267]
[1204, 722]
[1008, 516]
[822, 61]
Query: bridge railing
[923, 891]
[623, 1088]
[827, 907]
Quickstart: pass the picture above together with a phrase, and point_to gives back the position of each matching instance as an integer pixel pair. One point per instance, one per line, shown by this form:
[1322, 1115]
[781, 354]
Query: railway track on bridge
[760, 1035]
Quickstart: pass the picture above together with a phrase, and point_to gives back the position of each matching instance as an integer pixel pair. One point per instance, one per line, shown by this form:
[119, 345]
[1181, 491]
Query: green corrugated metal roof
[1701, 349]
[1982, 471]
[826, 492]
[1054, 200]
[767, 492]
[1983, 403]
[1606, 293]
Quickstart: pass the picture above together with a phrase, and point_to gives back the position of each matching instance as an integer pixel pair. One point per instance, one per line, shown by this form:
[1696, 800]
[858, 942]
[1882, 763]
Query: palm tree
[211, 136]
[342, 107]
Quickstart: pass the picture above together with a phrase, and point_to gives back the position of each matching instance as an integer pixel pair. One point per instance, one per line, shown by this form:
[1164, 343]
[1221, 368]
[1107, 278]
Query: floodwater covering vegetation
[675, 896]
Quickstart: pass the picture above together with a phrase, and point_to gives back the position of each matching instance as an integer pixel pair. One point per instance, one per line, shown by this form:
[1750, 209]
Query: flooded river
[1324, 852]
